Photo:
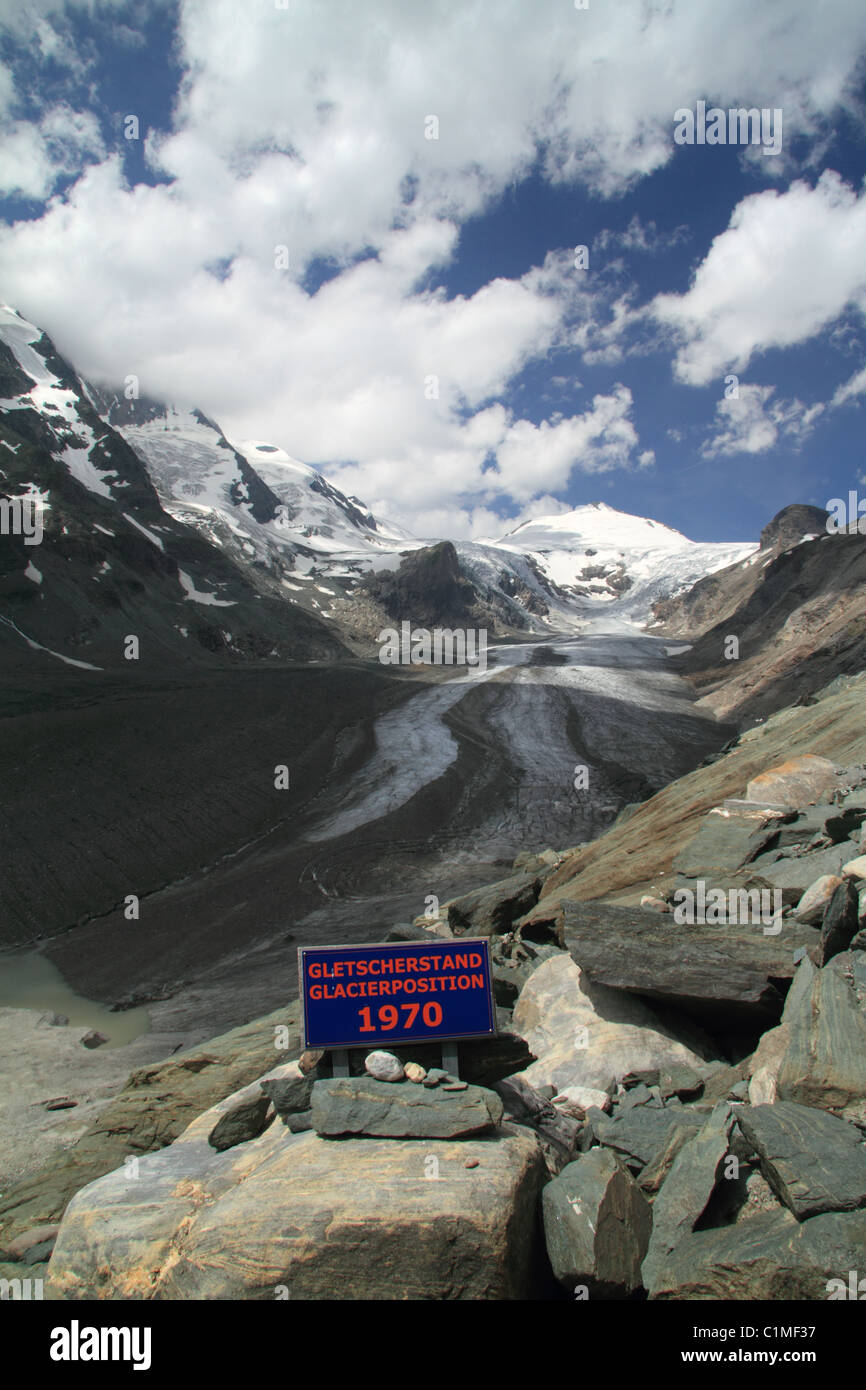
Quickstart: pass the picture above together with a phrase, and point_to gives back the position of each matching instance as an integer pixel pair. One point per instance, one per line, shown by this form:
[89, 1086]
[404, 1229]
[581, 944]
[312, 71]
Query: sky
[355, 231]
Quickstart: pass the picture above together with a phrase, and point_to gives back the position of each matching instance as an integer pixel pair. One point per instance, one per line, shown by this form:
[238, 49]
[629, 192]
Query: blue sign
[400, 991]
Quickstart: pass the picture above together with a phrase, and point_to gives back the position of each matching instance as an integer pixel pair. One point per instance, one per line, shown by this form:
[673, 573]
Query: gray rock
[800, 781]
[724, 972]
[683, 1082]
[794, 875]
[816, 899]
[93, 1039]
[725, 843]
[824, 1062]
[813, 1161]
[687, 1190]
[769, 1256]
[840, 923]
[638, 1135]
[288, 1088]
[491, 911]
[399, 1110]
[408, 931]
[651, 1177]
[246, 1120]
[300, 1122]
[596, 1226]
[384, 1066]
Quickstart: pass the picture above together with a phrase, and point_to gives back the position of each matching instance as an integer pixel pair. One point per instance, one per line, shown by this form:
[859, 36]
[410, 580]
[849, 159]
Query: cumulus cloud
[308, 128]
[752, 422]
[788, 265]
[852, 388]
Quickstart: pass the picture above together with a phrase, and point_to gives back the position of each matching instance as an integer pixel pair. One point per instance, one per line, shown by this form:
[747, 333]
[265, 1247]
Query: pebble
[456, 1086]
[414, 1072]
[471, 1163]
[434, 1076]
[60, 1103]
[93, 1039]
[384, 1066]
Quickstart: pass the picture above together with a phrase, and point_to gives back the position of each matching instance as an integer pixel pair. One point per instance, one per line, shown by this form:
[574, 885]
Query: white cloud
[786, 267]
[850, 389]
[33, 157]
[752, 423]
[306, 127]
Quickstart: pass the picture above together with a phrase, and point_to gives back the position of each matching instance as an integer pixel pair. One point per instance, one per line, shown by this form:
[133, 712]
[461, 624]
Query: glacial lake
[29, 980]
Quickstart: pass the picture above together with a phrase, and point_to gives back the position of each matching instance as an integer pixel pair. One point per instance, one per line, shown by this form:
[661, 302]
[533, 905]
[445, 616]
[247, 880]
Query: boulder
[401, 1110]
[653, 1174]
[797, 782]
[770, 1256]
[246, 1120]
[490, 911]
[813, 1161]
[855, 868]
[288, 1088]
[726, 842]
[824, 1063]
[840, 923]
[584, 1034]
[638, 1135]
[596, 1226]
[766, 1060]
[794, 874]
[718, 973]
[303, 1218]
[814, 902]
[686, 1191]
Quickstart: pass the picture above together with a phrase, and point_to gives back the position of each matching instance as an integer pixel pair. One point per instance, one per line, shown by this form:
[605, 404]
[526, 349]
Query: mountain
[603, 556]
[111, 561]
[797, 608]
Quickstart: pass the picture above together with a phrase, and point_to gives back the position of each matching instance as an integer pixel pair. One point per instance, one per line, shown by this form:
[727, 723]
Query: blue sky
[432, 345]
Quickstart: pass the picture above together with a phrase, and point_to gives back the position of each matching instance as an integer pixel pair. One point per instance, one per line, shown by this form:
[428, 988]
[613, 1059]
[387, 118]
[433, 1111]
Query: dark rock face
[596, 1225]
[399, 1110]
[791, 524]
[492, 910]
[840, 924]
[824, 1062]
[719, 973]
[638, 1135]
[813, 1161]
[243, 1122]
[428, 588]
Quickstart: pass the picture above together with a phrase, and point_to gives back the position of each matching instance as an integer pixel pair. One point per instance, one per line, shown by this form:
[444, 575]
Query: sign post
[396, 992]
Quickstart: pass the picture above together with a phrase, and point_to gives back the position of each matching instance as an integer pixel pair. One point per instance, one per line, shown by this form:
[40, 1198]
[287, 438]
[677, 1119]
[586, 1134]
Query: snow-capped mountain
[598, 555]
[296, 538]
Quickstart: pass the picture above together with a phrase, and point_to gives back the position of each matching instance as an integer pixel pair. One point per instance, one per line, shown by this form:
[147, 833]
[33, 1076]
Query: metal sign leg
[340, 1060]
[451, 1059]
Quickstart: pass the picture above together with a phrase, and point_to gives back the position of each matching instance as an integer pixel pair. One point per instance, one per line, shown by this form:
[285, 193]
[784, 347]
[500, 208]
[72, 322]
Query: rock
[157, 1102]
[300, 1121]
[483, 1061]
[61, 1103]
[455, 1085]
[770, 1256]
[93, 1039]
[793, 876]
[383, 1066]
[407, 931]
[638, 1135]
[650, 904]
[653, 1174]
[840, 924]
[683, 1082]
[686, 1191]
[581, 1098]
[766, 1060]
[246, 1120]
[583, 1034]
[385, 1109]
[288, 1088]
[724, 973]
[434, 1076]
[491, 911]
[813, 1161]
[824, 1063]
[726, 842]
[310, 1059]
[811, 907]
[300, 1217]
[855, 868]
[54, 1020]
[414, 1072]
[596, 1226]
[798, 782]
[28, 1241]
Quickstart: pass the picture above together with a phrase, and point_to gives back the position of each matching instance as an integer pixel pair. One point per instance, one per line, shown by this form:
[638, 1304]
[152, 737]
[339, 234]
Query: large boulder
[596, 1226]
[727, 840]
[724, 973]
[301, 1217]
[583, 1034]
[813, 1161]
[770, 1256]
[491, 910]
[798, 782]
[824, 1062]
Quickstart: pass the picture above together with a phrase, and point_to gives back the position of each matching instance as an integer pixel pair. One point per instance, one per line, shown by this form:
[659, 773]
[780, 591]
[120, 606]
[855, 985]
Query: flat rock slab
[798, 782]
[303, 1218]
[723, 971]
[639, 1134]
[399, 1110]
[725, 842]
[814, 1162]
[770, 1256]
[824, 1061]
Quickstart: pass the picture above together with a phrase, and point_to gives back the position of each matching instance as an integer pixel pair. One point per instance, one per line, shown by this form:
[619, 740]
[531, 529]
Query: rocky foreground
[674, 1107]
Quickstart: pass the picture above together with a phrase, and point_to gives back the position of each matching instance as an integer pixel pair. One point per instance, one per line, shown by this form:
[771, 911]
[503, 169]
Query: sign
[399, 991]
